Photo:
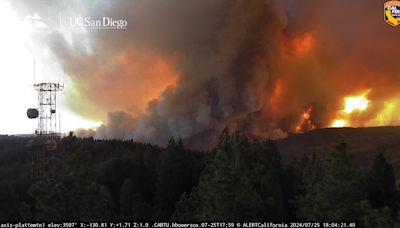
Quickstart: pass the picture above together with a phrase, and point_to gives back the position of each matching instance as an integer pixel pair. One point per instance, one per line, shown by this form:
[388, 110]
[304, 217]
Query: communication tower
[44, 143]
[47, 104]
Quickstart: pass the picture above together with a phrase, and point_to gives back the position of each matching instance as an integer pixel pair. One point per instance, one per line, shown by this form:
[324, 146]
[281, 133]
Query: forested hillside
[240, 179]
[362, 143]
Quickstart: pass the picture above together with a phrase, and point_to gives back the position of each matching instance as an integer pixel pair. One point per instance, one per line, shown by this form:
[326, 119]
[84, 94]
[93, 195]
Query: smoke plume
[187, 69]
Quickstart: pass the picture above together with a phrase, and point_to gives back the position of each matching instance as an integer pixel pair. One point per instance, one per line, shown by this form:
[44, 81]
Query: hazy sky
[19, 46]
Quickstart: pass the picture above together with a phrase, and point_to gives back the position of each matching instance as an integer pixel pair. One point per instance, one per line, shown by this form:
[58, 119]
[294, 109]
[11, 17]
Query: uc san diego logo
[392, 12]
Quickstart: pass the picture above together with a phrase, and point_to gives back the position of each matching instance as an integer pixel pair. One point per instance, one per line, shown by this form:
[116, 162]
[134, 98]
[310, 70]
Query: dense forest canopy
[240, 179]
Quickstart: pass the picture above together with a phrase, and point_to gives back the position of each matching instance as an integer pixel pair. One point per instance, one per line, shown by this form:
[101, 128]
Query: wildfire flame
[297, 46]
[357, 103]
[303, 45]
[305, 123]
[339, 123]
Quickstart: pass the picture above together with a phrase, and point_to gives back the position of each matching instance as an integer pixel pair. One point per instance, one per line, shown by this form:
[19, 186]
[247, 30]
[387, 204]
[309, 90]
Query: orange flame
[298, 46]
[305, 123]
[352, 104]
[303, 45]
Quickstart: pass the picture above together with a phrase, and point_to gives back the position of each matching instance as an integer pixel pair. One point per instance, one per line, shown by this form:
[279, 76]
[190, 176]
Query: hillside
[363, 144]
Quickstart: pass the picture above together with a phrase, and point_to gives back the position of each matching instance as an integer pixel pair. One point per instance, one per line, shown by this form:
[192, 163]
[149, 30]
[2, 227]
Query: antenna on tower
[34, 71]
[59, 76]
[59, 124]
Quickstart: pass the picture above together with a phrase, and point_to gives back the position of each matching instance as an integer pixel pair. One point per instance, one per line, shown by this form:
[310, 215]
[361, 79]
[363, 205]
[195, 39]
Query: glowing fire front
[339, 123]
[355, 103]
[362, 109]
[352, 105]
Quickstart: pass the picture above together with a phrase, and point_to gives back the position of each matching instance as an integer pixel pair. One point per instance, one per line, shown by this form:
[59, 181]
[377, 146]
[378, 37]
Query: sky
[20, 51]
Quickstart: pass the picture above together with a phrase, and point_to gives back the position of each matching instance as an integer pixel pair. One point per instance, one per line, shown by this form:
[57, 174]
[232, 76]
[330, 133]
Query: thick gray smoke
[187, 69]
[226, 52]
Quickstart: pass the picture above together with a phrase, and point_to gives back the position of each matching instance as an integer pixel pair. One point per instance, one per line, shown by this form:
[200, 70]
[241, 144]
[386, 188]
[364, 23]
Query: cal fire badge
[392, 12]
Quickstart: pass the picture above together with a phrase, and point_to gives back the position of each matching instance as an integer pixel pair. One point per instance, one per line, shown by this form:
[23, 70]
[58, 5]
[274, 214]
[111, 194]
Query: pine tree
[126, 199]
[9, 203]
[184, 210]
[71, 199]
[266, 168]
[377, 218]
[226, 191]
[381, 187]
[297, 175]
[174, 178]
[132, 205]
[337, 196]
[242, 182]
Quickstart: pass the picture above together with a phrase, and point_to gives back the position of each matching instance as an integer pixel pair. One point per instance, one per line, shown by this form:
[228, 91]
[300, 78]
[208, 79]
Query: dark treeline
[240, 179]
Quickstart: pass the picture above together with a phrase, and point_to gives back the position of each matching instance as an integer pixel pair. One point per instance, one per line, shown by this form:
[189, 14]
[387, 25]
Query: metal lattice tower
[47, 104]
[44, 144]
